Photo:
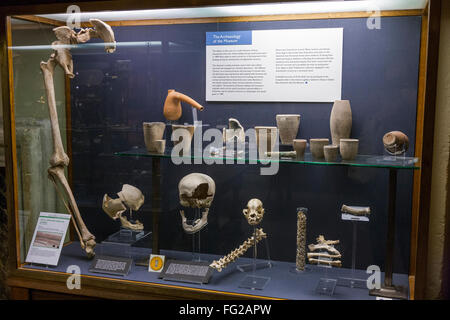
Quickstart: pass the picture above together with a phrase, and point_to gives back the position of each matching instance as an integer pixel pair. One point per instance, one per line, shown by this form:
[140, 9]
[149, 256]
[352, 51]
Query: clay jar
[330, 152]
[172, 105]
[340, 121]
[153, 131]
[396, 142]
[299, 147]
[266, 138]
[186, 136]
[316, 147]
[349, 148]
[288, 127]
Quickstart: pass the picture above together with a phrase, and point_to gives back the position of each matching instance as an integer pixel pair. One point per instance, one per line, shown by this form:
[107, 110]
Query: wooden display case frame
[34, 284]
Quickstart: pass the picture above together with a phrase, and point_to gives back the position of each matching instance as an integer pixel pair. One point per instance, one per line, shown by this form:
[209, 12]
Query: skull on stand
[254, 213]
[196, 190]
[130, 197]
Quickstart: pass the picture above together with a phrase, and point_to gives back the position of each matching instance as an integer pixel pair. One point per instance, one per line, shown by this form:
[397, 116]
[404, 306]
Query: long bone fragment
[238, 252]
[59, 160]
[323, 255]
[356, 211]
[334, 263]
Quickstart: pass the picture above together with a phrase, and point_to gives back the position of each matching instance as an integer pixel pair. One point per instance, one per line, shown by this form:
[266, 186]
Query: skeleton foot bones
[61, 56]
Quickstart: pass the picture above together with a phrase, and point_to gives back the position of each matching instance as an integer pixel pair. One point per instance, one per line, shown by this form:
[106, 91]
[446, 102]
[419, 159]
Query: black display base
[394, 292]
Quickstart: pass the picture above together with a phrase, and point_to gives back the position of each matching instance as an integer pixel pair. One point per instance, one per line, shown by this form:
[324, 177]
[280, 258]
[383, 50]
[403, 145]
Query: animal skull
[130, 197]
[196, 190]
[254, 212]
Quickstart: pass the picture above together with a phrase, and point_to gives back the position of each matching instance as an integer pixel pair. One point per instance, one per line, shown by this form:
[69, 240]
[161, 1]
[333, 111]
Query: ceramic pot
[330, 152]
[186, 134]
[396, 142]
[288, 127]
[160, 146]
[349, 148]
[340, 121]
[153, 131]
[316, 147]
[266, 138]
[299, 147]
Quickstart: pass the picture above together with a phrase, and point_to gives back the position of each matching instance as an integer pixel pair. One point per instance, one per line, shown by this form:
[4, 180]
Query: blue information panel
[227, 38]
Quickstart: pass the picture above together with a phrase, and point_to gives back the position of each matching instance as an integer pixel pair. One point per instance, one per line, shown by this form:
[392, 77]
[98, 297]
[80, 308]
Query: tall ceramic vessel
[340, 121]
[288, 127]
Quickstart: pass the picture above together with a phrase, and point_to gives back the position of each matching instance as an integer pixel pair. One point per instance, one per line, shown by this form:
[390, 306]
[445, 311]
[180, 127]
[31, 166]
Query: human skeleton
[59, 160]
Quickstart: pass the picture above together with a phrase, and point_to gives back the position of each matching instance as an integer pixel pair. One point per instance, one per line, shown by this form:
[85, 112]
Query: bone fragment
[323, 255]
[198, 224]
[137, 225]
[363, 211]
[236, 253]
[334, 263]
[287, 154]
[316, 247]
[321, 239]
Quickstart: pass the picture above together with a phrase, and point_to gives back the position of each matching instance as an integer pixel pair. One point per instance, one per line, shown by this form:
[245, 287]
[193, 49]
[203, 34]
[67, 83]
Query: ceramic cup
[349, 148]
[316, 147]
[299, 147]
[287, 125]
[160, 146]
[266, 138]
[330, 152]
[153, 131]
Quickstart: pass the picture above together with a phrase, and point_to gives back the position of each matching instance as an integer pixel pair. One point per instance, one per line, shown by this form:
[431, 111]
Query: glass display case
[246, 151]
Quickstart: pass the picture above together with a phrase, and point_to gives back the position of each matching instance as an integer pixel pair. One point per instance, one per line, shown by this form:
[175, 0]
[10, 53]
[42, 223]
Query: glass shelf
[375, 161]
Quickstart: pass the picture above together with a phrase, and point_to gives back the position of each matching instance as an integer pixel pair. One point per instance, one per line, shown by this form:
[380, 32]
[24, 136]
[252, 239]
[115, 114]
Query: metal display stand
[196, 238]
[253, 281]
[326, 285]
[352, 281]
[258, 265]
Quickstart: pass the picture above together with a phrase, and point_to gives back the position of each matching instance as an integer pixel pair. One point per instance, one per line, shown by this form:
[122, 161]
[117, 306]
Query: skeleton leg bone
[87, 239]
[59, 159]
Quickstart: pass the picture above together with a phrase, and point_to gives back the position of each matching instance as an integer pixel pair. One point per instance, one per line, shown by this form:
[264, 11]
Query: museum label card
[288, 65]
[187, 271]
[48, 238]
[111, 265]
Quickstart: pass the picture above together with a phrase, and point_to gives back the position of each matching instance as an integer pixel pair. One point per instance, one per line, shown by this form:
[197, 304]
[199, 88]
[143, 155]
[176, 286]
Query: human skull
[130, 197]
[254, 212]
[196, 190]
